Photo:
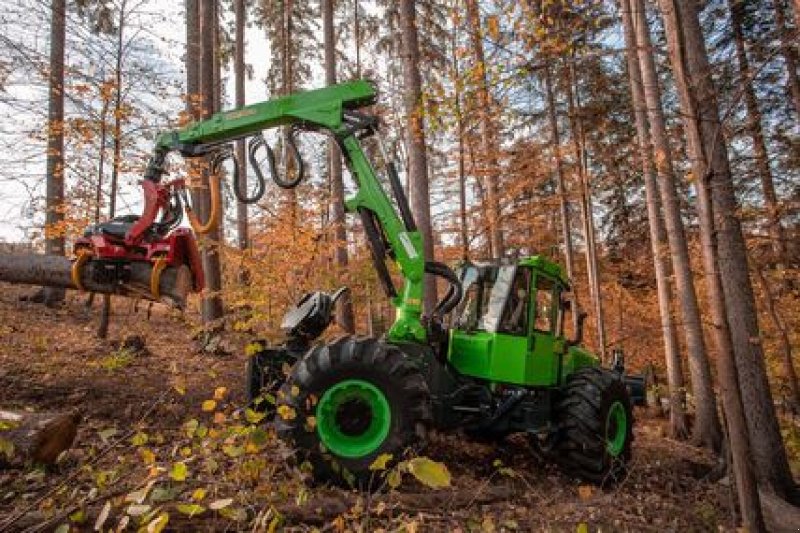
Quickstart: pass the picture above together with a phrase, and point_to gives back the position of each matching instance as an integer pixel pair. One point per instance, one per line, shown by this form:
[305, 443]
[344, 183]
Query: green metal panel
[502, 358]
[576, 357]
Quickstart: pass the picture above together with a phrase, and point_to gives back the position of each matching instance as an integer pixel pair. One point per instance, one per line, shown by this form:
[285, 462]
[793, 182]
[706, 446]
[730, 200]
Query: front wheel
[596, 426]
[347, 403]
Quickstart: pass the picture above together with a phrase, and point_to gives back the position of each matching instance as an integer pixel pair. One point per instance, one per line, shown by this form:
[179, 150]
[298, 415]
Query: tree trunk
[676, 13]
[788, 40]
[460, 133]
[344, 308]
[239, 74]
[489, 167]
[563, 203]
[706, 430]
[677, 414]
[713, 176]
[116, 163]
[587, 211]
[37, 437]
[54, 216]
[415, 139]
[210, 254]
[756, 133]
[55, 271]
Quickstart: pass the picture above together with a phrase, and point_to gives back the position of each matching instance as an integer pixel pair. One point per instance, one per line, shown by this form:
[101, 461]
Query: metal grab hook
[257, 142]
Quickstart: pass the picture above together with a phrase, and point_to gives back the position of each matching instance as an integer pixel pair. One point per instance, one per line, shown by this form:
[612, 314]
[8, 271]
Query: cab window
[545, 299]
[515, 313]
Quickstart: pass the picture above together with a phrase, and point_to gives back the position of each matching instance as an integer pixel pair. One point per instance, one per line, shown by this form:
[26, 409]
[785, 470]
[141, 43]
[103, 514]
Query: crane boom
[330, 110]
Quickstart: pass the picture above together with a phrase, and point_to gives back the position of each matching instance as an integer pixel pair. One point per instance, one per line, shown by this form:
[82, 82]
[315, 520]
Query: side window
[515, 314]
[544, 304]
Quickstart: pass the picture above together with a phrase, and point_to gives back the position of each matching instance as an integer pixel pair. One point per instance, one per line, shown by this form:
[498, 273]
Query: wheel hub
[353, 418]
[616, 429]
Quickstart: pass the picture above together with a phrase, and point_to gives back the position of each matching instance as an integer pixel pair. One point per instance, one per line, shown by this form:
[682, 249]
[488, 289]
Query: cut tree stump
[36, 437]
[55, 271]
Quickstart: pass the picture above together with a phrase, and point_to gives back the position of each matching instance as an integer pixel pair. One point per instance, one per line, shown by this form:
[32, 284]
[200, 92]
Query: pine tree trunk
[756, 132]
[212, 309]
[415, 139]
[563, 204]
[788, 40]
[460, 133]
[239, 74]
[706, 430]
[54, 245]
[489, 167]
[344, 308]
[587, 211]
[683, 52]
[677, 414]
[56, 271]
[714, 172]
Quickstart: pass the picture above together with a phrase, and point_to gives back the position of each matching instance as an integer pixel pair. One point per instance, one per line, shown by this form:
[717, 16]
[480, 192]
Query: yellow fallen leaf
[209, 405]
[430, 473]
[219, 393]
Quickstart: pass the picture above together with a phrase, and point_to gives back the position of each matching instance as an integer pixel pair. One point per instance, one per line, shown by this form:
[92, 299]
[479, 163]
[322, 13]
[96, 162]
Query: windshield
[497, 298]
[485, 294]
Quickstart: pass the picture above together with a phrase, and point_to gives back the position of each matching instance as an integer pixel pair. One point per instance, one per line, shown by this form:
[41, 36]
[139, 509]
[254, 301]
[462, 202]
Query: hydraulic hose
[454, 292]
[257, 142]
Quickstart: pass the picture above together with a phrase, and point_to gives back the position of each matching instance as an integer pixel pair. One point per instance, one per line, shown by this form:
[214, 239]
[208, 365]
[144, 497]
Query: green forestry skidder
[491, 358]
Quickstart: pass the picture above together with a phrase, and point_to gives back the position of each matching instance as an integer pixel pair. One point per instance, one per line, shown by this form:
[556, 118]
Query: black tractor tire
[593, 444]
[360, 383]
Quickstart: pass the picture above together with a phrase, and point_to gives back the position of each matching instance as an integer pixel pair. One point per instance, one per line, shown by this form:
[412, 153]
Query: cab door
[544, 343]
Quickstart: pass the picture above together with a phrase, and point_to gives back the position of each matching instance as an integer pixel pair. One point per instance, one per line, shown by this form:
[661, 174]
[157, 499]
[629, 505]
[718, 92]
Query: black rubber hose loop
[454, 293]
[257, 142]
[298, 159]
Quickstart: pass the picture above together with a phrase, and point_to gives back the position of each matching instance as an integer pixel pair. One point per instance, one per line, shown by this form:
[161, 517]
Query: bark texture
[54, 215]
[344, 308]
[415, 139]
[55, 271]
[239, 74]
[658, 238]
[713, 177]
[37, 437]
[488, 170]
[706, 430]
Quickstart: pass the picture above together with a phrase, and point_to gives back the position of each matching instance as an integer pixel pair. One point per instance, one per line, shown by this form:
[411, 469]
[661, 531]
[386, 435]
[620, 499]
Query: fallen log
[37, 437]
[56, 271]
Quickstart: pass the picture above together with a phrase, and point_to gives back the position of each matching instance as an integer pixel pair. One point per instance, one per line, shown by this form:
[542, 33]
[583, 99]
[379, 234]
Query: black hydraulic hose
[377, 250]
[241, 195]
[257, 142]
[454, 293]
[400, 196]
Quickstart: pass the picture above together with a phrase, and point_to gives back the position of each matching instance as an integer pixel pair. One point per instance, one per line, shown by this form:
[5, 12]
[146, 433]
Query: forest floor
[165, 441]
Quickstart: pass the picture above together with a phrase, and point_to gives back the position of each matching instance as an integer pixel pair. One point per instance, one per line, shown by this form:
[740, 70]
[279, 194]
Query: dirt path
[146, 414]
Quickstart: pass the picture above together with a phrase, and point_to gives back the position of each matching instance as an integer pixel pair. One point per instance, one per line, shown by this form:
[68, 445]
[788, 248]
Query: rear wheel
[596, 426]
[349, 402]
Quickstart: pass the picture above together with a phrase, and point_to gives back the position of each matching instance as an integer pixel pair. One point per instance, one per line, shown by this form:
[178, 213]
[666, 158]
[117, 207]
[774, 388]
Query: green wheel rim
[353, 418]
[616, 429]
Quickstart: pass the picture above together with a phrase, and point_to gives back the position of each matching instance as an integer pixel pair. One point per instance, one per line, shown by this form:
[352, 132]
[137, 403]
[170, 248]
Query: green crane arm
[331, 110]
